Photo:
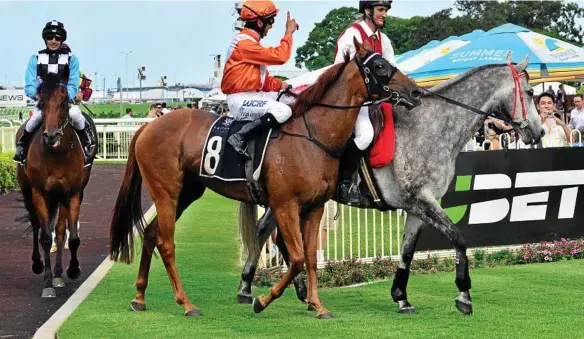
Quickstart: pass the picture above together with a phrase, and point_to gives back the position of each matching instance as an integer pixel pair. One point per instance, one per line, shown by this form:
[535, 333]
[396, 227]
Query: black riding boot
[87, 141]
[22, 146]
[349, 164]
[250, 130]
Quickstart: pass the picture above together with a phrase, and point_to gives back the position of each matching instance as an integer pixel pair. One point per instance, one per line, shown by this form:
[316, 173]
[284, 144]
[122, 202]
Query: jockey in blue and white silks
[55, 58]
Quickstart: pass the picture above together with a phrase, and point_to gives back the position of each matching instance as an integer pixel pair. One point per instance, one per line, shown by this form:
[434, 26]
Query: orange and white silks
[250, 90]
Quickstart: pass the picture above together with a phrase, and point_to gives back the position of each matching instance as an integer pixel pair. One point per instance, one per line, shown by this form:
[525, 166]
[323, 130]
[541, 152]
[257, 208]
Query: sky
[172, 38]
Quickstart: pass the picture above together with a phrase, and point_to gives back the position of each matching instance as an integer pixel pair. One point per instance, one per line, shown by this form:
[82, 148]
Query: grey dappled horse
[428, 140]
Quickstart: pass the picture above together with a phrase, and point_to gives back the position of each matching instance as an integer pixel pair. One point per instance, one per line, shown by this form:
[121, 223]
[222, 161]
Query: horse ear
[523, 64]
[359, 47]
[509, 58]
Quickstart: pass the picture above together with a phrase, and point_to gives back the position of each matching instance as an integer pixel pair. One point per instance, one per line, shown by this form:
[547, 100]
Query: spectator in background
[190, 106]
[494, 128]
[159, 110]
[196, 105]
[152, 111]
[164, 109]
[557, 133]
[577, 118]
[128, 114]
[20, 116]
[560, 97]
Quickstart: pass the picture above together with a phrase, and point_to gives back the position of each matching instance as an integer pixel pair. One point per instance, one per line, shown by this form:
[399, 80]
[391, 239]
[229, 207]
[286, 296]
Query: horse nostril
[542, 133]
[416, 94]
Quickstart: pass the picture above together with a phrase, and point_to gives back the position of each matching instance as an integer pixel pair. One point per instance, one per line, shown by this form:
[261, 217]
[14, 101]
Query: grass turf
[529, 301]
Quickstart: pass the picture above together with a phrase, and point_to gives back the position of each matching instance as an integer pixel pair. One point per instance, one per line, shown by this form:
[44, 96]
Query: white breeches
[37, 118]
[363, 129]
[252, 105]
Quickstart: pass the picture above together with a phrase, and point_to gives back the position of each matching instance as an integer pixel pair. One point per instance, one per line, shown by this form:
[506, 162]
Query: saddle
[220, 161]
[379, 154]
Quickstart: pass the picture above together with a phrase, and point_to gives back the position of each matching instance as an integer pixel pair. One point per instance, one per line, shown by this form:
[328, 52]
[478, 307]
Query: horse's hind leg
[150, 235]
[60, 227]
[46, 241]
[431, 213]
[265, 227]
[412, 232]
[73, 271]
[189, 194]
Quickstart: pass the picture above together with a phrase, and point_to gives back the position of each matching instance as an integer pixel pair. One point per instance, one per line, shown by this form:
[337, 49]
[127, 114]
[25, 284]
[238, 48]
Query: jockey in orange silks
[251, 91]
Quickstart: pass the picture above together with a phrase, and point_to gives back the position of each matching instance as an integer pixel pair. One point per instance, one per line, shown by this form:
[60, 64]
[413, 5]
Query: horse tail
[128, 209]
[248, 217]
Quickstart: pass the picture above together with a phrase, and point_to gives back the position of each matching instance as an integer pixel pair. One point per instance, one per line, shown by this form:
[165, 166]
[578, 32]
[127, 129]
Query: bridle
[517, 89]
[374, 80]
[61, 127]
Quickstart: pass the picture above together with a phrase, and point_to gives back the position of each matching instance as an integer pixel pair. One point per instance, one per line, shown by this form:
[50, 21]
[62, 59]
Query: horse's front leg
[287, 217]
[310, 229]
[412, 232]
[430, 212]
[60, 234]
[42, 213]
[73, 271]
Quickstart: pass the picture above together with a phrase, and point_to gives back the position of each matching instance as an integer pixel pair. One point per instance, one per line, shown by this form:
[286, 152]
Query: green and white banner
[513, 197]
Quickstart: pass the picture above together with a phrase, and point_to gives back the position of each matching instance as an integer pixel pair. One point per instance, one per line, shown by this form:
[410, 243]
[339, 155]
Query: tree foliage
[553, 18]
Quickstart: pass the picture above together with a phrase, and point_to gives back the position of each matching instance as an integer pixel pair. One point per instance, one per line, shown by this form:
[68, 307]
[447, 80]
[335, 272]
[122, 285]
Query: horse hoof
[406, 310]
[325, 316]
[137, 307]
[58, 282]
[38, 267]
[465, 307]
[311, 308]
[49, 292]
[257, 305]
[194, 313]
[244, 299]
[73, 273]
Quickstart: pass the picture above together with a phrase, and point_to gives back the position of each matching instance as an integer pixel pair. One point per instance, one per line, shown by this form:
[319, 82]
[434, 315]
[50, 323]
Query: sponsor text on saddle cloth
[221, 161]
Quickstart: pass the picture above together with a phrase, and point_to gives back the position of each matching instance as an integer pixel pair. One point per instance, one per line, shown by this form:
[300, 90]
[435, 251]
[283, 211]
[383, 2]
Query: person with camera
[557, 132]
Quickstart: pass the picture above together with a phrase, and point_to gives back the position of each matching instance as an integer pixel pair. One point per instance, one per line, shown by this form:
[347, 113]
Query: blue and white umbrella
[433, 51]
[550, 59]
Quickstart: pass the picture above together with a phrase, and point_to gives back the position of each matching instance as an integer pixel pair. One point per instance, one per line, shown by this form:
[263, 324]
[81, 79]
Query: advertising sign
[512, 197]
[12, 98]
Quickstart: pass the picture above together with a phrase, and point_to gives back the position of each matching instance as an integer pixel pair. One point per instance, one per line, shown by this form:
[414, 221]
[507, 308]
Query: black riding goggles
[50, 37]
[377, 73]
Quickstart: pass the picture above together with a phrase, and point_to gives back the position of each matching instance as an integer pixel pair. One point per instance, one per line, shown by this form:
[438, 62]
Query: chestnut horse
[52, 182]
[298, 175]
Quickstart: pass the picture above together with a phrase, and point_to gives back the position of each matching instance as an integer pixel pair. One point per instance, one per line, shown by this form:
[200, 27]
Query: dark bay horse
[299, 177]
[424, 166]
[52, 183]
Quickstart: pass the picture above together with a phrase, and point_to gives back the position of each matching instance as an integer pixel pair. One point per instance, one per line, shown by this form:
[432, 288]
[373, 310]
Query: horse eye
[530, 92]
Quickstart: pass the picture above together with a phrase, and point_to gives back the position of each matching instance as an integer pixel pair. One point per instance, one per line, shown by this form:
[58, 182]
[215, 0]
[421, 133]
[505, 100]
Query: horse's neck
[448, 126]
[333, 127]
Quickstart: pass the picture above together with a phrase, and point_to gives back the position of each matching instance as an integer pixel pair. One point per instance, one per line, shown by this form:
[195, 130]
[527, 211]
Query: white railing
[114, 140]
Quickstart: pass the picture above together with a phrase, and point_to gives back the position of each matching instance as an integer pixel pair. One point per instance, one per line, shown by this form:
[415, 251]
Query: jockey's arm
[73, 84]
[254, 53]
[30, 78]
[272, 84]
[388, 53]
[345, 43]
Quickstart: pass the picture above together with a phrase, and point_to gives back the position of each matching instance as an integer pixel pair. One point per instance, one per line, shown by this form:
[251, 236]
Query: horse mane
[47, 89]
[311, 95]
[448, 83]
